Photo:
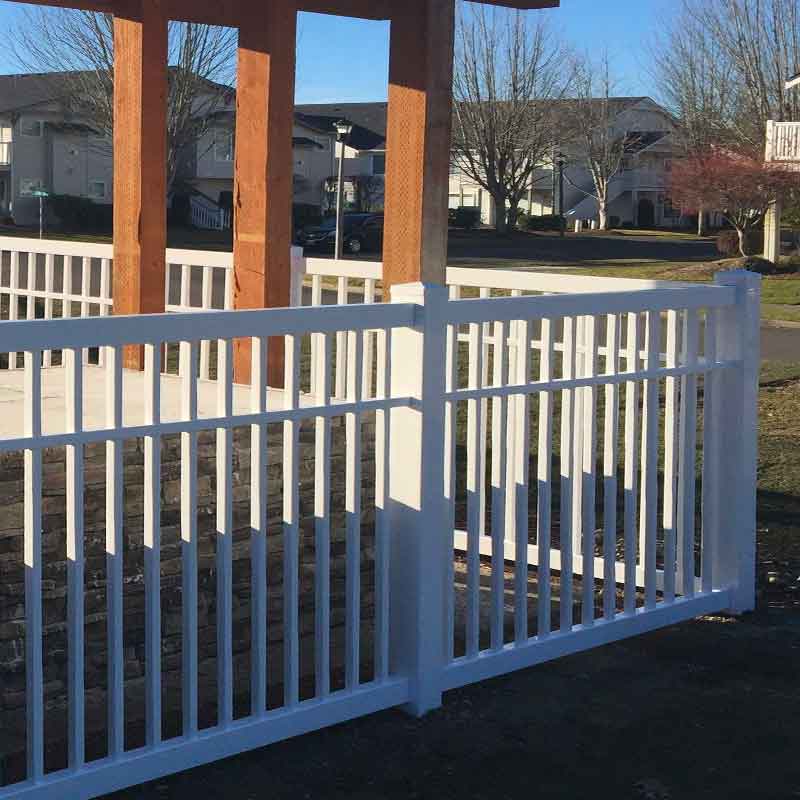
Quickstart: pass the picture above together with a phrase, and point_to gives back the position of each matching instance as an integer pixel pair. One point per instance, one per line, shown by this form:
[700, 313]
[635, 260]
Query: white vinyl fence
[553, 471]
[52, 279]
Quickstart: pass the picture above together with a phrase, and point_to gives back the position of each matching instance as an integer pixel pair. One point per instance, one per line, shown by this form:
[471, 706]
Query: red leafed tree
[739, 185]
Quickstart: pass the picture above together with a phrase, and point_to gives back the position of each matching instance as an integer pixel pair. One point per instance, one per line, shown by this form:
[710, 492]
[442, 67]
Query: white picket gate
[535, 492]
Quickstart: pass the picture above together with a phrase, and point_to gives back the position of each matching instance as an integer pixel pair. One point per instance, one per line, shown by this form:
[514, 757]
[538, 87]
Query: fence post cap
[737, 277]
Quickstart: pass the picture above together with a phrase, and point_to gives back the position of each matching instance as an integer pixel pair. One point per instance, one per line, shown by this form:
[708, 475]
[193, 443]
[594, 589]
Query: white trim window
[223, 145]
[97, 190]
[31, 127]
[27, 186]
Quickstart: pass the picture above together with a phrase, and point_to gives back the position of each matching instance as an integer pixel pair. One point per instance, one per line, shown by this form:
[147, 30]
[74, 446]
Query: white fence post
[420, 541]
[738, 338]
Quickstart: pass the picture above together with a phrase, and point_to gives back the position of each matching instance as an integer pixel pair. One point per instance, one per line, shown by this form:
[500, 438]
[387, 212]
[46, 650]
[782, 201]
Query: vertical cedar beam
[418, 141]
[263, 174]
[140, 162]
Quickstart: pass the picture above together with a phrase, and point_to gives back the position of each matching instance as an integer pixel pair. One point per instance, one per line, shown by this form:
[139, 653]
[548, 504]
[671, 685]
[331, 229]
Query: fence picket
[355, 359]
[610, 444]
[224, 537]
[115, 555]
[670, 457]
[450, 466]
[544, 482]
[649, 504]
[322, 525]
[686, 463]
[631, 461]
[189, 544]
[291, 529]
[521, 476]
[475, 489]
[567, 467]
[152, 544]
[711, 455]
[589, 468]
[382, 530]
[75, 558]
[32, 544]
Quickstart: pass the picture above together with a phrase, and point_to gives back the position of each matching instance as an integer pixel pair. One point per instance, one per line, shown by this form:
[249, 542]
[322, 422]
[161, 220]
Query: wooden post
[418, 141]
[263, 173]
[140, 163]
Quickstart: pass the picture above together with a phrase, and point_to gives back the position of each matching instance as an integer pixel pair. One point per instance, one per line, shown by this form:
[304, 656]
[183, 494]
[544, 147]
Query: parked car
[361, 233]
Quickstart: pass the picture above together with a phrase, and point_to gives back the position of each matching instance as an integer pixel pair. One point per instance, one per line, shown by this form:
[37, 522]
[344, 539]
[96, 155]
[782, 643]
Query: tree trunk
[500, 218]
[741, 233]
[603, 214]
[512, 215]
[701, 222]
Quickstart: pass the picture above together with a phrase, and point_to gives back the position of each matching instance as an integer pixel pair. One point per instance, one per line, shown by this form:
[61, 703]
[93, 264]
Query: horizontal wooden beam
[229, 12]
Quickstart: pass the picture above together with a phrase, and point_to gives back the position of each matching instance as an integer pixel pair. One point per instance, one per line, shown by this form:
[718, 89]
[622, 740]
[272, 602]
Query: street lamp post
[343, 130]
[560, 162]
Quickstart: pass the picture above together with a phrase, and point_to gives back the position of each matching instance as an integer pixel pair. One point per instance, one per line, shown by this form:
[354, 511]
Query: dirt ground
[708, 709]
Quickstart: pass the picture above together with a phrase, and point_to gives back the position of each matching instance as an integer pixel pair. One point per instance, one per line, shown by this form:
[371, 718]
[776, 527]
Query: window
[97, 190]
[379, 164]
[667, 165]
[30, 127]
[223, 145]
[27, 186]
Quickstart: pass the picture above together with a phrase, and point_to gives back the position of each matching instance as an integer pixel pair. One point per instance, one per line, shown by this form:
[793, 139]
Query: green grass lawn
[780, 294]
[779, 485]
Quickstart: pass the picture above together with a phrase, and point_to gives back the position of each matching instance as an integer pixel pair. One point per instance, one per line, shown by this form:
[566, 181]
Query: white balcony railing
[783, 141]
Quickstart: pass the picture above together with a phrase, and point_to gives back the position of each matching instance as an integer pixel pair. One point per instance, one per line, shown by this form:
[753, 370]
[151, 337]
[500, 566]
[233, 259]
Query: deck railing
[551, 473]
[783, 141]
[56, 279]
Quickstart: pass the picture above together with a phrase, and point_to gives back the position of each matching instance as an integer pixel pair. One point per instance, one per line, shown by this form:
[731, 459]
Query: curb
[779, 323]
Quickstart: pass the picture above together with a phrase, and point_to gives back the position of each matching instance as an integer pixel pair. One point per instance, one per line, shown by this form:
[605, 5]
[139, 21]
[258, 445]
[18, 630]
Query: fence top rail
[572, 305]
[331, 267]
[54, 334]
[56, 247]
[571, 281]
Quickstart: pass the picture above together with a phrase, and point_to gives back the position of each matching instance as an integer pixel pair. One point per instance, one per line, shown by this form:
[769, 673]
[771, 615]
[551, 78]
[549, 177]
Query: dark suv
[360, 233]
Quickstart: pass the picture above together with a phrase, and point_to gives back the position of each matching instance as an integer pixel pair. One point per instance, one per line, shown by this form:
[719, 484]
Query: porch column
[263, 172]
[140, 163]
[772, 232]
[418, 142]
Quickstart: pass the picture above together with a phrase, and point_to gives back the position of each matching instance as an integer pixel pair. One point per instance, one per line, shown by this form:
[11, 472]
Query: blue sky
[345, 60]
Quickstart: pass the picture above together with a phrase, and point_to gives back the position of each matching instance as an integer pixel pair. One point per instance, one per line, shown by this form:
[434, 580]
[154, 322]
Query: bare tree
[696, 84]
[589, 121]
[74, 51]
[722, 68]
[508, 70]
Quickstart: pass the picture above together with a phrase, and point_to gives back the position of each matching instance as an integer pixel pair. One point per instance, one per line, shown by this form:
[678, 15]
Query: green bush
[81, 215]
[466, 217]
[545, 222]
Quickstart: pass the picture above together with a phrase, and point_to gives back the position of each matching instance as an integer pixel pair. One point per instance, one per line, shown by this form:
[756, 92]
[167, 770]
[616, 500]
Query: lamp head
[343, 129]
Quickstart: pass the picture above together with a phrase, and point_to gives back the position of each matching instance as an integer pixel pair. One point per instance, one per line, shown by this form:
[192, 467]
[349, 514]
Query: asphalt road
[780, 344]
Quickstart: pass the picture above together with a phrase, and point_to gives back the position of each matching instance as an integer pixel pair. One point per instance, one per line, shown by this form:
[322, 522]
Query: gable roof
[23, 91]
[368, 121]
